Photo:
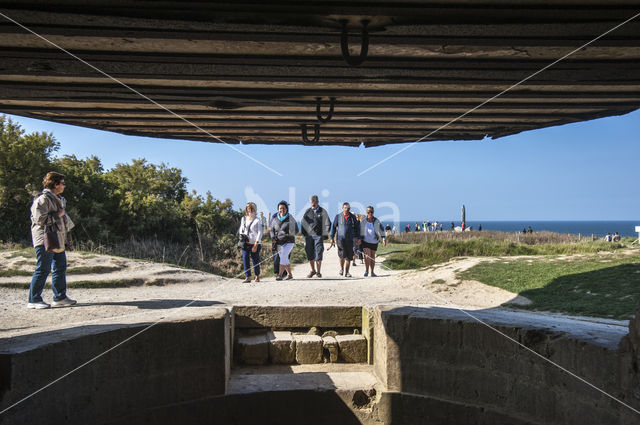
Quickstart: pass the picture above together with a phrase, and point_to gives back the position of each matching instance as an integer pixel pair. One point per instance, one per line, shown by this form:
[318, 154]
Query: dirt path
[436, 285]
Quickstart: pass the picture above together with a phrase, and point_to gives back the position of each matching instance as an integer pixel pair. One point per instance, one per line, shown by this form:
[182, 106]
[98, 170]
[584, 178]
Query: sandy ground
[188, 289]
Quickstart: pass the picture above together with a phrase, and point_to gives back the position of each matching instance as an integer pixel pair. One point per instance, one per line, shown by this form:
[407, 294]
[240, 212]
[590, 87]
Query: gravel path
[189, 289]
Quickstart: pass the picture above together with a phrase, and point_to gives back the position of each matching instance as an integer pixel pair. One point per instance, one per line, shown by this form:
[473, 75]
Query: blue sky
[584, 171]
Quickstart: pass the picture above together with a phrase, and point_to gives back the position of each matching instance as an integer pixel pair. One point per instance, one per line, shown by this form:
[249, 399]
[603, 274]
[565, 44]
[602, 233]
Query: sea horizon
[584, 227]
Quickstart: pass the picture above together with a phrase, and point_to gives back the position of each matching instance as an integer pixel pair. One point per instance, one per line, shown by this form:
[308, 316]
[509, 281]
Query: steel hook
[332, 101]
[364, 47]
[316, 136]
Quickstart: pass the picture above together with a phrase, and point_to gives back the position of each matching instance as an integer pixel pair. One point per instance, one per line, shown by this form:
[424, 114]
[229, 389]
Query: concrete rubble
[308, 349]
[353, 348]
[282, 347]
[330, 349]
[285, 347]
[253, 349]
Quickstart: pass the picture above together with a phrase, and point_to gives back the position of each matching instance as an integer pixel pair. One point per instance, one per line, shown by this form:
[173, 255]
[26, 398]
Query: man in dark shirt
[346, 227]
[315, 229]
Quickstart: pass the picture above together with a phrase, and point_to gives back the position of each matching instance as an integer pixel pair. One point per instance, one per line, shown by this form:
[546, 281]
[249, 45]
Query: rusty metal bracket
[364, 47]
[332, 101]
[316, 136]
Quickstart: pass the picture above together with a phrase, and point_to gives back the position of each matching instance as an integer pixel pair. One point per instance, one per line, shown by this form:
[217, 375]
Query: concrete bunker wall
[434, 366]
[444, 367]
[170, 362]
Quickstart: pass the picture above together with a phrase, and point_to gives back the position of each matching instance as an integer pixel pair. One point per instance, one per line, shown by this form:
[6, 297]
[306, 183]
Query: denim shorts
[314, 248]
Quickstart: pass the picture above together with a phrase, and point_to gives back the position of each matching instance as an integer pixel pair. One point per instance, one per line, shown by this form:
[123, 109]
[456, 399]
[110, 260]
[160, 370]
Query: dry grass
[535, 238]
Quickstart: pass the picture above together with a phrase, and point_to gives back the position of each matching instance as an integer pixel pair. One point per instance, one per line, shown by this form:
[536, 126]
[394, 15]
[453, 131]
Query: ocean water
[597, 228]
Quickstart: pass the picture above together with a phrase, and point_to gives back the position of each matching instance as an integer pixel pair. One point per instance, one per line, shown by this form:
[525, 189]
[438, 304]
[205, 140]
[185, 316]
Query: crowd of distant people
[429, 226]
[614, 238]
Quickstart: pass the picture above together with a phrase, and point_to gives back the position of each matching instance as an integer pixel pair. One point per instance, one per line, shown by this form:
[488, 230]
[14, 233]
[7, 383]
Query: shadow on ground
[154, 304]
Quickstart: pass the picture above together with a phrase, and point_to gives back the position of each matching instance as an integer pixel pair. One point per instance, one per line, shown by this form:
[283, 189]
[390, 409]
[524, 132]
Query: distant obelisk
[464, 218]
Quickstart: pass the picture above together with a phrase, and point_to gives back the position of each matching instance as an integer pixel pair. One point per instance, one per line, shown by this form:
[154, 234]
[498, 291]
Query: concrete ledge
[439, 353]
[279, 317]
[172, 361]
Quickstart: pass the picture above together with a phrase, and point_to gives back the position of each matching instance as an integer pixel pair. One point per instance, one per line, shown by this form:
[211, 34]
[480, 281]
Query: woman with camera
[250, 235]
[283, 230]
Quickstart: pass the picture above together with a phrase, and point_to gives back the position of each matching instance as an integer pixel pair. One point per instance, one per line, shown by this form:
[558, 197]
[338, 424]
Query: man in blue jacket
[347, 228]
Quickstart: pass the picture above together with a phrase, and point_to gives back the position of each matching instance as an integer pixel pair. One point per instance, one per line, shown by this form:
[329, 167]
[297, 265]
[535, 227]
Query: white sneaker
[38, 305]
[66, 302]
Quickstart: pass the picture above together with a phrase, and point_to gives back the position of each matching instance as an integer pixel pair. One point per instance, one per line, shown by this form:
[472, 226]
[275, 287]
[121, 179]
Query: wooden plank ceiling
[253, 72]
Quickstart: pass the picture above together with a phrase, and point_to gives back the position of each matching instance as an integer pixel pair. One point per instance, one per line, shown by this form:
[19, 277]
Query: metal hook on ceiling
[332, 101]
[364, 47]
[316, 136]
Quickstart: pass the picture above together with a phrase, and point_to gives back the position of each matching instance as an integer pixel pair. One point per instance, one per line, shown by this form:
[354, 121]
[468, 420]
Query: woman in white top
[371, 232]
[251, 228]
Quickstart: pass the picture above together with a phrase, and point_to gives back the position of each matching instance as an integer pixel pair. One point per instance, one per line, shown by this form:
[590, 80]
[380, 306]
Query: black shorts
[345, 248]
[371, 246]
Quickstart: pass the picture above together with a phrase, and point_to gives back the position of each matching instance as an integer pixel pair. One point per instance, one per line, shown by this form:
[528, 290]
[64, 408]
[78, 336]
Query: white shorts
[283, 251]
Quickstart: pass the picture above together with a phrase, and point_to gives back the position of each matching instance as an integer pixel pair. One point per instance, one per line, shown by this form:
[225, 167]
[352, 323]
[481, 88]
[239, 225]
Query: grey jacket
[316, 223]
[284, 231]
[44, 213]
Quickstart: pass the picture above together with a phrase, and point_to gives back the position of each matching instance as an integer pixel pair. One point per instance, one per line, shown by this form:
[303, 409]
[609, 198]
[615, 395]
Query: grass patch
[114, 283]
[15, 272]
[441, 251]
[594, 286]
[394, 248]
[70, 271]
[24, 252]
[93, 269]
[30, 263]
[16, 285]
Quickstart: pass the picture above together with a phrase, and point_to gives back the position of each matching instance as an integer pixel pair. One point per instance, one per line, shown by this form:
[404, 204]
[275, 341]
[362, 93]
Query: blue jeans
[247, 257]
[43, 268]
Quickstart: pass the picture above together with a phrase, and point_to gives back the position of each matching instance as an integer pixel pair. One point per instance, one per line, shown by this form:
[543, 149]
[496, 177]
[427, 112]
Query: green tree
[213, 223]
[24, 160]
[149, 198]
[90, 199]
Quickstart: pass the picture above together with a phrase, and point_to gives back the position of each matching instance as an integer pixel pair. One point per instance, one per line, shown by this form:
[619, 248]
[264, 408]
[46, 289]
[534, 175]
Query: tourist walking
[274, 248]
[371, 233]
[48, 213]
[315, 229]
[283, 230]
[357, 248]
[263, 220]
[250, 233]
[345, 229]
